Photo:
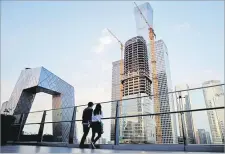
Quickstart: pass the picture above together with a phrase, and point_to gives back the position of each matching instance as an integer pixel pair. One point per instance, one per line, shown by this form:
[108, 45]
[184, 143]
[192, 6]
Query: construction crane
[121, 63]
[154, 77]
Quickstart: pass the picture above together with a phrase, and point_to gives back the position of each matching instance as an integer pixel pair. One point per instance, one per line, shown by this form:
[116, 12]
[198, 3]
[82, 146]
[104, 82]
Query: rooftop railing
[185, 118]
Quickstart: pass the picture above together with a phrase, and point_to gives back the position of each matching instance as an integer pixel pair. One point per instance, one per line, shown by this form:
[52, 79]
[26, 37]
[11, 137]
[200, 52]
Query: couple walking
[92, 119]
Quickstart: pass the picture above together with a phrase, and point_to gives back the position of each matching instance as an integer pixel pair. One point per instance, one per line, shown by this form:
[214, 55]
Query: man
[86, 121]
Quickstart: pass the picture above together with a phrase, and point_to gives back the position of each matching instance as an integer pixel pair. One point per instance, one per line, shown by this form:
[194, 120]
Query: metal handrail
[128, 98]
[137, 115]
[22, 122]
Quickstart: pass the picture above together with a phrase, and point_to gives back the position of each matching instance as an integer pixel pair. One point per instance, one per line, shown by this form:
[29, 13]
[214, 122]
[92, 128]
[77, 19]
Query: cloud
[103, 41]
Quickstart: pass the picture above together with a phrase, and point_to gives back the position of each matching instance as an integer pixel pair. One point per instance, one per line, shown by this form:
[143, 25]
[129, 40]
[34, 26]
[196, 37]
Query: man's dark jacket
[87, 115]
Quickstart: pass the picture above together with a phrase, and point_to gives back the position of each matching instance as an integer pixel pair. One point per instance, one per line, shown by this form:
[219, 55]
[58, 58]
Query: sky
[69, 39]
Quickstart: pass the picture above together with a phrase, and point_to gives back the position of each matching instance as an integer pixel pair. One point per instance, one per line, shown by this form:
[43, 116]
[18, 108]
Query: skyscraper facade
[116, 81]
[168, 122]
[141, 26]
[137, 83]
[214, 97]
[35, 80]
[184, 103]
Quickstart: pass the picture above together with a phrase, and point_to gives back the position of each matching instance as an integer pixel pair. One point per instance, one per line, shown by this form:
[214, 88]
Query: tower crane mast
[121, 63]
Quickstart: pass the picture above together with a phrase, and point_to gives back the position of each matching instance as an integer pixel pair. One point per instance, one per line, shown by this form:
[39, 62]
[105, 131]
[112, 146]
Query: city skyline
[25, 36]
[177, 26]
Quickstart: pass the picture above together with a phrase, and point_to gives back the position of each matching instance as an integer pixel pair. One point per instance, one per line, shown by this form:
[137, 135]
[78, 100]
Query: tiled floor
[44, 149]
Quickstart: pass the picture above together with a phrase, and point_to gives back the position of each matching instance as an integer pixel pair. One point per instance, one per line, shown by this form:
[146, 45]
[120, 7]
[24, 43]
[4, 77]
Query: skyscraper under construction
[137, 83]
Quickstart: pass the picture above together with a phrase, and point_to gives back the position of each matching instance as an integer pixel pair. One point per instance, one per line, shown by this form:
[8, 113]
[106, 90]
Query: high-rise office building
[168, 122]
[214, 97]
[184, 103]
[141, 26]
[116, 81]
[137, 83]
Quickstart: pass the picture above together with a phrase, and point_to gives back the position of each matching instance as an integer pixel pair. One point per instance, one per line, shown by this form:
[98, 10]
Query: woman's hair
[98, 109]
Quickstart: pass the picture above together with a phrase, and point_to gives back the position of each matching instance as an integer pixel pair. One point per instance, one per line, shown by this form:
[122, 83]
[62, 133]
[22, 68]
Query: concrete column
[117, 126]
[72, 125]
[184, 135]
[21, 122]
[41, 129]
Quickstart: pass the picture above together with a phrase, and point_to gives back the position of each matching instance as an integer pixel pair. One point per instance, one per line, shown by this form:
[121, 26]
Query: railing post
[72, 125]
[41, 129]
[21, 122]
[184, 135]
[116, 135]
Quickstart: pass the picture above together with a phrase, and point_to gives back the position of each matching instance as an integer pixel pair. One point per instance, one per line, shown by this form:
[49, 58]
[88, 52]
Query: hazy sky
[69, 39]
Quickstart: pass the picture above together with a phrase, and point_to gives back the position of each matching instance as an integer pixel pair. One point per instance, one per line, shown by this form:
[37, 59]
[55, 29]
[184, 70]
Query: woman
[96, 124]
